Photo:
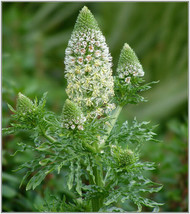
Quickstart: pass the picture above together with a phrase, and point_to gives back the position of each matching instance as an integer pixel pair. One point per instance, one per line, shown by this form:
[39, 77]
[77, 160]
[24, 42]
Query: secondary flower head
[88, 66]
[127, 157]
[24, 104]
[72, 116]
[129, 65]
[124, 157]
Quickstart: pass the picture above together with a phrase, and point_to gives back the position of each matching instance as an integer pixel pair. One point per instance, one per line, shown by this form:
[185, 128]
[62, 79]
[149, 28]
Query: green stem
[115, 116]
[49, 138]
[97, 202]
[89, 147]
[98, 173]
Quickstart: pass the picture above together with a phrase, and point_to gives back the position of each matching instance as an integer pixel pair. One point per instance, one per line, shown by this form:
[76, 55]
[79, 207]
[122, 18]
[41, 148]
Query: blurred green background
[34, 38]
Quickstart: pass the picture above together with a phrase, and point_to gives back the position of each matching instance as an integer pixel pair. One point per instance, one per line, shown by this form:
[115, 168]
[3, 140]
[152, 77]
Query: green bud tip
[129, 64]
[71, 109]
[72, 116]
[127, 157]
[128, 56]
[24, 103]
[86, 20]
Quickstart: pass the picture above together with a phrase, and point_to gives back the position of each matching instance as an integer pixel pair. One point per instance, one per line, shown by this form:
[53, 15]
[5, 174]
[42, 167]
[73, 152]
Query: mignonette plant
[100, 158]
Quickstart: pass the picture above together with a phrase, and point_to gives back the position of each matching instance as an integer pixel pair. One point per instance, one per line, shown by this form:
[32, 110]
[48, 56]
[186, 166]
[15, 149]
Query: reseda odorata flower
[100, 158]
[129, 65]
[88, 67]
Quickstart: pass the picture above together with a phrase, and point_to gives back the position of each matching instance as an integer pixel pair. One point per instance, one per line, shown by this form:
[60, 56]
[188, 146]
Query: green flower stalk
[88, 67]
[72, 116]
[129, 66]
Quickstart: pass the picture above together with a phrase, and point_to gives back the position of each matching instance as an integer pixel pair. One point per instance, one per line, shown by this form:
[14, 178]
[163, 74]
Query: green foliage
[129, 94]
[80, 151]
[55, 204]
[29, 116]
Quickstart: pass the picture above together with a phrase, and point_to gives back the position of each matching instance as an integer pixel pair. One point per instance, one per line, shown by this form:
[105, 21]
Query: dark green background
[34, 39]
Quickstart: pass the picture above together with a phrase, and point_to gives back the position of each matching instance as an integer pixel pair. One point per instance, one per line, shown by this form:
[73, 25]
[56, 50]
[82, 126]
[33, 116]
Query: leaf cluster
[126, 179]
[130, 93]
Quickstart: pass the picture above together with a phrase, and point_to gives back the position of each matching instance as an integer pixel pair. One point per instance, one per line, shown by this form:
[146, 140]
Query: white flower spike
[88, 66]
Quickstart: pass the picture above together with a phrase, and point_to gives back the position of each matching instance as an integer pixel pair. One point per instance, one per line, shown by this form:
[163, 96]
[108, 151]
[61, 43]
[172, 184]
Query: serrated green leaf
[113, 197]
[11, 108]
[89, 169]
[151, 190]
[78, 179]
[50, 170]
[43, 147]
[42, 101]
[35, 180]
[24, 178]
[20, 150]
[44, 162]
[60, 166]
[150, 203]
[71, 176]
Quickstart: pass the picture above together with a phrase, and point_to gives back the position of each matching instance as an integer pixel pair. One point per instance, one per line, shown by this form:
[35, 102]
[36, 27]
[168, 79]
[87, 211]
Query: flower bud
[88, 66]
[124, 157]
[129, 65]
[127, 157]
[86, 20]
[72, 116]
[24, 104]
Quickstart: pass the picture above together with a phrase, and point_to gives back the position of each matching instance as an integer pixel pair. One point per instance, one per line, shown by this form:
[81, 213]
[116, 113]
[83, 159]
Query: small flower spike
[129, 65]
[72, 117]
[88, 67]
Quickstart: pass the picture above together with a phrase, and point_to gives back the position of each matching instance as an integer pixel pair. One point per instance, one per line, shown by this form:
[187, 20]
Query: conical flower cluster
[88, 67]
[72, 117]
[129, 65]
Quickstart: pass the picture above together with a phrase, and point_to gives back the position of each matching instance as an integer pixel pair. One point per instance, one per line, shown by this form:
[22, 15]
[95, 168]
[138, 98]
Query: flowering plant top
[100, 160]
[88, 67]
